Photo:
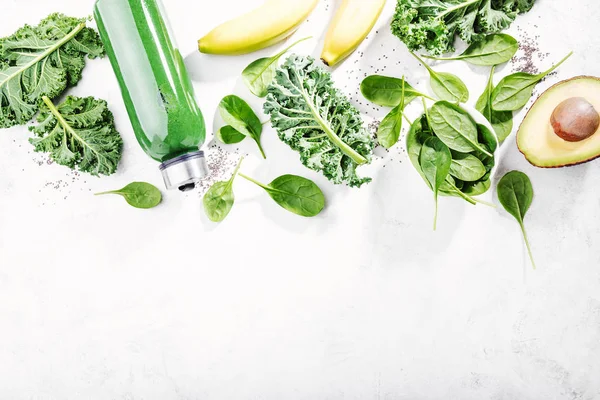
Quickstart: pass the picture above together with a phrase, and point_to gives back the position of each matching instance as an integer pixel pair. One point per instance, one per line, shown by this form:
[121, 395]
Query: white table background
[102, 301]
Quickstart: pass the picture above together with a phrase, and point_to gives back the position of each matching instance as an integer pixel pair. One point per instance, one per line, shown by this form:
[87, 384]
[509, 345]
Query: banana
[266, 25]
[351, 24]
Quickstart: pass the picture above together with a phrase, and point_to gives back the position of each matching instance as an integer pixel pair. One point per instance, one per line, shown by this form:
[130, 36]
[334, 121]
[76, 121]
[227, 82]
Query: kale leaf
[433, 24]
[42, 60]
[317, 120]
[80, 132]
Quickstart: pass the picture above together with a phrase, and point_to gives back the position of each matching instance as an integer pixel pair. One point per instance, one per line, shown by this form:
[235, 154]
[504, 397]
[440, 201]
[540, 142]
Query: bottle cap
[185, 171]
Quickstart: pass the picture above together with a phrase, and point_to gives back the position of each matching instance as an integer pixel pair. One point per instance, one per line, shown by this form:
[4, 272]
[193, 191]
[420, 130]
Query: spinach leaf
[435, 160]
[219, 199]
[483, 184]
[238, 114]
[514, 91]
[417, 135]
[296, 194]
[477, 188]
[260, 73]
[449, 188]
[455, 127]
[487, 161]
[487, 138]
[138, 195]
[502, 121]
[229, 135]
[491, 50]
[387, 91]
[516, 195]
[466, 167]
[390, 127]
[446, 86]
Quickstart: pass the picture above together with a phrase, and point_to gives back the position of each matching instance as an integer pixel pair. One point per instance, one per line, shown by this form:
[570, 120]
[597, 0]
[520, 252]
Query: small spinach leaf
[449, 188]
[487, 137]
[466, 167]
[219, 199]
[390, 127]
[514, 91]
[387, 91]
[229, 135]
[435, 160]
[493, 49]
[502, 121]
[455, 127]
[515, 193]
[238, 114]
[477, 188]
[445, 85]
[260, 73]
[138, 195]
[414, 142]
[296, 194]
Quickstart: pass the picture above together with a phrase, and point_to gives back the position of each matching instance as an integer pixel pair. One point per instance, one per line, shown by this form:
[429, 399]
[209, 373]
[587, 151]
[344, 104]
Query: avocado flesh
[536, 138]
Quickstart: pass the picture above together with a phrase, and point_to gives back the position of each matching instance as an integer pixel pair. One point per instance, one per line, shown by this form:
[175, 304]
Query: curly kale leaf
[81, 133]
[42, 60]
[318, 121]
[434, 24]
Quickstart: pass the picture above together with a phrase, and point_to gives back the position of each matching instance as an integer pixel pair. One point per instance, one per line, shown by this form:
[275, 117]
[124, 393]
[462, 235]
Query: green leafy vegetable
[260, 73]
[514, 91]
[296, 194]
[386, 91]
[487, 137]
[466, 167]
[41, 61]
[492, 50]
[455, 127]
[445, 85]
[80, 132]
[477, 188]
[502, 121]
[433, 24]
[417, 135]
[318, 121]
[452, 187]
[516, 195]
[219, 199]
[435, 160]
[240, 116]
[138, 195]
[229, 135]
[420, 132]
[390, 127]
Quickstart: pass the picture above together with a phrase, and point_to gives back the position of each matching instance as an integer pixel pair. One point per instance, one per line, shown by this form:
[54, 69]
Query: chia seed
[529, 53]
[221, 164]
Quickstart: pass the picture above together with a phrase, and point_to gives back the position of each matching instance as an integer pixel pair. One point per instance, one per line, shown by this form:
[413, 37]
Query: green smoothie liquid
[156, 88]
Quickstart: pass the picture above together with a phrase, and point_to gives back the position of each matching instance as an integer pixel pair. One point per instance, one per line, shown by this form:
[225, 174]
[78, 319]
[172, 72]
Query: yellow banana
[266, 25]
[351, 24]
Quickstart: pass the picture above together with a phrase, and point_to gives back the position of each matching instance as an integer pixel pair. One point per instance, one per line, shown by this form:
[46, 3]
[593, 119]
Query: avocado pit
[575, 119]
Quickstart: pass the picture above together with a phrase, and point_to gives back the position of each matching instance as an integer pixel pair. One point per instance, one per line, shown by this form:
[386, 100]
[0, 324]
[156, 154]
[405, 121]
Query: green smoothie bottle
[156, 88]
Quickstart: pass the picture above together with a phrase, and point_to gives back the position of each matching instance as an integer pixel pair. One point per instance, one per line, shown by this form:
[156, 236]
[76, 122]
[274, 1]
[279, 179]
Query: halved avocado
[561, 128]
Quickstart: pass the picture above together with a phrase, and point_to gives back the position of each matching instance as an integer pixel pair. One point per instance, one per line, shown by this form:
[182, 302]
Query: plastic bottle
[156, 88]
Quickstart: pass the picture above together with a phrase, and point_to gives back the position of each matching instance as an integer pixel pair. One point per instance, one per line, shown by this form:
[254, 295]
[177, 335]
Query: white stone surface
[102, 301]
